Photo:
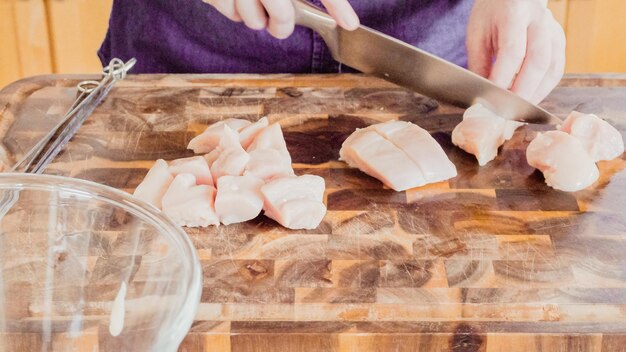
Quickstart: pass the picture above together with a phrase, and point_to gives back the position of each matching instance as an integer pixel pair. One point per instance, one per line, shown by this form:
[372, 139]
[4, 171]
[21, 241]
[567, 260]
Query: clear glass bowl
[86, 267]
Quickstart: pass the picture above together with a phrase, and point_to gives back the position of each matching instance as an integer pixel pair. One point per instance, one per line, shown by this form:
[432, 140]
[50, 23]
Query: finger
[343, 13]
[537, 61]
[226, 8]
[252, 13]
[282, 17]
[511, 49]
[479, 53]
[557, 67]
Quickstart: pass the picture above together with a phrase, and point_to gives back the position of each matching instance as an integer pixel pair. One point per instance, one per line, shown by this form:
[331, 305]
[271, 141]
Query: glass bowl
[86, 267]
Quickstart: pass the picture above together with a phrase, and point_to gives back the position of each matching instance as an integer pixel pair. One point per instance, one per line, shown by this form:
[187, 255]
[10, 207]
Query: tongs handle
[92, 94]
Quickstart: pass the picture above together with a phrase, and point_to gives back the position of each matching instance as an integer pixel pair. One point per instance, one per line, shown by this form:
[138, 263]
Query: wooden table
[492, 260]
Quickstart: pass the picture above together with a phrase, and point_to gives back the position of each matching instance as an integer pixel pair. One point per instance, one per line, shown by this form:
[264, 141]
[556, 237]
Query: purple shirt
[189, 36]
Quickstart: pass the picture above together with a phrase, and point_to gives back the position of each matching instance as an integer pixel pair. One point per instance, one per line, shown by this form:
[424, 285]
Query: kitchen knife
[378, 54]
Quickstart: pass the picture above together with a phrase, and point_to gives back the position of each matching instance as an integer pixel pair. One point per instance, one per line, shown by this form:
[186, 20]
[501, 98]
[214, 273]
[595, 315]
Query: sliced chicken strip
[421, 148]
[563, 161]
[378, 157]
[189, 204]
[238, 198]
[155, 184]
[601, 140]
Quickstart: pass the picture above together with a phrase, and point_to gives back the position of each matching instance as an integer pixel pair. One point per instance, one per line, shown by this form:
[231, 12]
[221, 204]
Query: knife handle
[316, 19]
[313, 17]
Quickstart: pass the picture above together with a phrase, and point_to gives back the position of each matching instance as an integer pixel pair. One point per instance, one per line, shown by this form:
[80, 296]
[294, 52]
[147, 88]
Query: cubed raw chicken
[421, 148]
[249, 133]
[155, 184]
[295, 202]
[232, 158]
[601, 140]
[268, 163]
[212, 156]
[482, 132]
[269, 157]
[271, 137]
[563, 161]
[238, 198]
[378, 157]
[189, 204]
[195, 165]
[211, 137]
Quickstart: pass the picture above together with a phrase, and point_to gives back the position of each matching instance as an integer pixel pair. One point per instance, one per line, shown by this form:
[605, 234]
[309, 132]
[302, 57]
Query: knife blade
[378, 54]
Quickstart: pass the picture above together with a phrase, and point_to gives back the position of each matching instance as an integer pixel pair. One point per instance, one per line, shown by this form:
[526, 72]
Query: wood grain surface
[492, 260]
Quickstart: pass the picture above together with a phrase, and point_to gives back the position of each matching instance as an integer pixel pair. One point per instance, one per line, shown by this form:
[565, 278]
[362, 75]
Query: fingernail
[351, 21]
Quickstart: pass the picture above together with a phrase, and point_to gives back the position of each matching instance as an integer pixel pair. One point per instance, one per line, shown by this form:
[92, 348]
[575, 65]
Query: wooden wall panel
[10, 68]
[596, 34]
[25, 49]
[77, 29]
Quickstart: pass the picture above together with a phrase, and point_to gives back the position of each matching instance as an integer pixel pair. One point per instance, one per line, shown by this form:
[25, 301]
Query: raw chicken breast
[270, 137]
[563, 160]
[238, 198]
[295, 202]
[247, 135]
[482, 132]
[268, 163]
[379, 158]
[211, 137]
[232, 158]
[155, 184]
[189, 204]
[196, 165]
[421, 148]
[601, 140]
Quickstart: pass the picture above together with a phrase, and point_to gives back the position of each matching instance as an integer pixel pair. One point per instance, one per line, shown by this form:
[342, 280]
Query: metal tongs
[91, 94]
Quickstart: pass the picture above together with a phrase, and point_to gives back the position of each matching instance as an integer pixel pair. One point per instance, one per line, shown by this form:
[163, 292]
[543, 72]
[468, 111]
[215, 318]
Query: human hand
[528, 45]
[278, 16]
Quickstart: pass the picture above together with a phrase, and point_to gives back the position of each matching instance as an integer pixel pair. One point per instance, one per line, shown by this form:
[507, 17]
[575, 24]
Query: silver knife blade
[378, 54]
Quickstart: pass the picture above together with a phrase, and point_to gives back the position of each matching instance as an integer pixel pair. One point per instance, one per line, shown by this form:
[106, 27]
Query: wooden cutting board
[492, 260]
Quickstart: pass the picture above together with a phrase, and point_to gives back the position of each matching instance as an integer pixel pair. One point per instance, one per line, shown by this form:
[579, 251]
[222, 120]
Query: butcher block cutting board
[492, 260]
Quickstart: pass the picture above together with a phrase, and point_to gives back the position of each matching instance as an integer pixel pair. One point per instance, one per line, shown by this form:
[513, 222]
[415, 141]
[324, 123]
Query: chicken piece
[270, 137]
[269, 157]
[421, 148]
[212, 156]
[269, 163]
[563, 160]
[196, 165]
[249, 133]
[601, 140]
[238, 198]
[376, 156]
[189, 204]
[232, 158]
[295, 202]
[211, 137]
[155, 184]
[482, 132]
